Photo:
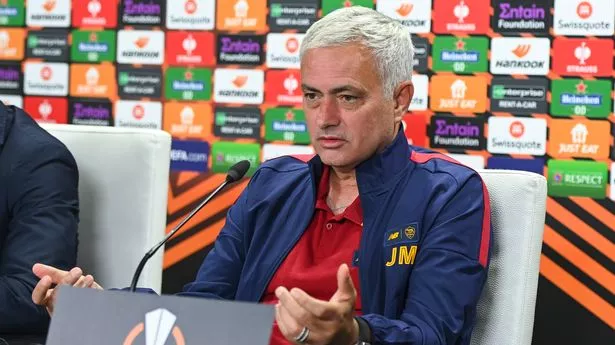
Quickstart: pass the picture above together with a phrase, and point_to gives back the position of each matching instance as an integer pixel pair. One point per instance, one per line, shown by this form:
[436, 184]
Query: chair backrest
[518, 209]
[123, 184]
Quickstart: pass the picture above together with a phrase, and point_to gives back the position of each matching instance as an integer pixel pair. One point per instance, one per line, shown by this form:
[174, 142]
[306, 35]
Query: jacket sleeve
[449, 274]
[219, 273]
[44, 216]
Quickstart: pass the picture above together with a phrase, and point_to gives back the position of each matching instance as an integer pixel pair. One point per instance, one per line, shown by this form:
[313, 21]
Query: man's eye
[349, 98]
[310, 96]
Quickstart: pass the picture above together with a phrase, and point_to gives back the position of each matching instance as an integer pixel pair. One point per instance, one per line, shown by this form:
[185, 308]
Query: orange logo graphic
[12, 44]
[241, 15]
[405, 9]
[162, 322]
[240, 80]
[49, 5]
[584, 10]
[188, 120]
[451, 93]
[92, 80]
[579, 138]
[142, 42]
[521, 50]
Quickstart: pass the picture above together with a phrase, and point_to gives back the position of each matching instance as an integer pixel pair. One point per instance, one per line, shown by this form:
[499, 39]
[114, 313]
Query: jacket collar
[379, 169]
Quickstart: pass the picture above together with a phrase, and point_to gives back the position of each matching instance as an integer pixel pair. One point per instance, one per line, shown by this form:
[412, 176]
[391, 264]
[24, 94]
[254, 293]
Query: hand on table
[44, 292]
[326, 322]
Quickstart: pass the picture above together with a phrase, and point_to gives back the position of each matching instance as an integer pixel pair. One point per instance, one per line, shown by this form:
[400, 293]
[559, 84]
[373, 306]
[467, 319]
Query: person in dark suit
[39, 216]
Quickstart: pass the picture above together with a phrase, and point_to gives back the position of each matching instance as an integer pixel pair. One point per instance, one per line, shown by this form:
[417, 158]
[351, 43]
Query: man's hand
[44, 292]
[328, 322]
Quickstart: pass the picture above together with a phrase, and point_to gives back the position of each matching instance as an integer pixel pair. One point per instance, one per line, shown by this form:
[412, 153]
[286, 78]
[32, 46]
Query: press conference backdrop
[505, 84]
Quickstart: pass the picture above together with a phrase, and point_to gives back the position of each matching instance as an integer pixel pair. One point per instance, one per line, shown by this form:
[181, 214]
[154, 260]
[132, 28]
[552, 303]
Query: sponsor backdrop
[515, 84]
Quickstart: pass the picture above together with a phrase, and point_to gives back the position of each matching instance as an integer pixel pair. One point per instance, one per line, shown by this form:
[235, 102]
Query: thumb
[345, 288]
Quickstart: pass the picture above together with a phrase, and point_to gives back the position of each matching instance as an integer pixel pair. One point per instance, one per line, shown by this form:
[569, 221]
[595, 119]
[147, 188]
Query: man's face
[347, 115]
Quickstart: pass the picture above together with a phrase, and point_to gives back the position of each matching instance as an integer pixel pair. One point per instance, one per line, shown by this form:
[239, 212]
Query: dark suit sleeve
[44, 210]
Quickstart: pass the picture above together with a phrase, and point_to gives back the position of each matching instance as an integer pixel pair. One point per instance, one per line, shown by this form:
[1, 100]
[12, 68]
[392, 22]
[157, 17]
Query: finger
[291, 327]
[346, 291]
[55, 274]
[84, 282]
[40, 290]
[72, 277]
[295, 310]
[320, 309]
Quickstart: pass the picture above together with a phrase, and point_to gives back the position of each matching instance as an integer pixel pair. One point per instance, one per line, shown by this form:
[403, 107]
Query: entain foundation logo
[521, 16]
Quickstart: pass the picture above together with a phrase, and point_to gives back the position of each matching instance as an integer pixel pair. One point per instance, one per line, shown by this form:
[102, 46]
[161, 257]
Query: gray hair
[387, 39]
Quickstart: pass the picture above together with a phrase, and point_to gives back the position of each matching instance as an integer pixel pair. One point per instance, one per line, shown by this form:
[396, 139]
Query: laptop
[95, 317]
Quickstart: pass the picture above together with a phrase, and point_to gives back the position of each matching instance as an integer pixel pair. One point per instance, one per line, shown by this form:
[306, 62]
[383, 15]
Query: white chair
[506, 307]
[123, 184]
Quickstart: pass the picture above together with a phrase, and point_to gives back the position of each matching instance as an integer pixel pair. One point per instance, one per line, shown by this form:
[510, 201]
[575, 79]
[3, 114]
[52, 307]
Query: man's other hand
[44, 292]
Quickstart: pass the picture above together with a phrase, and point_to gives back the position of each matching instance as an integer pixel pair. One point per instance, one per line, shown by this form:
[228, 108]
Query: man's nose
[329, 114]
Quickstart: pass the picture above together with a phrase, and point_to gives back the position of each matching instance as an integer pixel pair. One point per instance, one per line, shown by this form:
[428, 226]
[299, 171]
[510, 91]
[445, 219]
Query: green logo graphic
[188, 84]
[577, 178]
[12, 13]
[32, 41]
[93, 46]
[225, 154]
[123, 78]
[590, 98]
[499, 91]
[286, 124]
[276, 10]
[220, 118]
[329, 6]
[460, 55]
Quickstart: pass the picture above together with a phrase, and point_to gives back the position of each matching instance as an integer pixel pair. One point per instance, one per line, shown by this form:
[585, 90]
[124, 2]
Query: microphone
[235, 173]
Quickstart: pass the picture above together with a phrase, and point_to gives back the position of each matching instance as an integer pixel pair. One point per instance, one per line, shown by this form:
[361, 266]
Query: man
[38, 215]
[370, 240]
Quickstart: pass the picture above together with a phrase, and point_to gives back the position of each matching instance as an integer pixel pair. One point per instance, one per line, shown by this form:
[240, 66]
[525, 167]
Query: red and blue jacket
[423, 254]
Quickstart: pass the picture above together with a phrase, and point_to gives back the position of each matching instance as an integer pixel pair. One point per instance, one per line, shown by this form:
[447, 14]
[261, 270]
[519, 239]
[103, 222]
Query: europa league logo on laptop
[159, 325]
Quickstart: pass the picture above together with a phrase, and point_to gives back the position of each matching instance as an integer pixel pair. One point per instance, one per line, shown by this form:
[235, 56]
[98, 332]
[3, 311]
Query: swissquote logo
[159, 326]
[283, 50]
[190, 14]
[584, 18]
[510, 55]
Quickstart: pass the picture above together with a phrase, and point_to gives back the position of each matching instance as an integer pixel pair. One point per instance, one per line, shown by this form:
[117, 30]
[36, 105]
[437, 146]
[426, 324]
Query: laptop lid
[94, 317]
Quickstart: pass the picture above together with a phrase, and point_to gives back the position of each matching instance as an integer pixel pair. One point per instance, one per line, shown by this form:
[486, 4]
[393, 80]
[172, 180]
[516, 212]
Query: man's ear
[403, 96]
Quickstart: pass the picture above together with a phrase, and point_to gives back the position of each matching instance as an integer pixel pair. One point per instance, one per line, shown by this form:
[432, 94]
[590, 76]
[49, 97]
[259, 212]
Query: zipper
[279, 260]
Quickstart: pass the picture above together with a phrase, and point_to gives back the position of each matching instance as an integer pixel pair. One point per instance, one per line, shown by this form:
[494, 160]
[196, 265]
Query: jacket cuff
[365, 332]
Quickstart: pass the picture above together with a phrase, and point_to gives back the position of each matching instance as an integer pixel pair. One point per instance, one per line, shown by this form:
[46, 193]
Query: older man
[39, 214]
[370, 240]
